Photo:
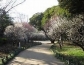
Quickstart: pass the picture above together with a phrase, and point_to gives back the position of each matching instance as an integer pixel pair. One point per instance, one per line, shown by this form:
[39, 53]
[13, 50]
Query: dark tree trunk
[60, 44]
[52, 41]
[45, 34]
[79, 44]
[83, 49]
[60, 41]
[24, 40]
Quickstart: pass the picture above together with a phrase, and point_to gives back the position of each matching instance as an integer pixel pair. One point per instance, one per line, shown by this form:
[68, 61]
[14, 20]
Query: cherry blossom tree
[15, 33]
[55, 29]
[76, 32]
[20, 32]
[30, 30]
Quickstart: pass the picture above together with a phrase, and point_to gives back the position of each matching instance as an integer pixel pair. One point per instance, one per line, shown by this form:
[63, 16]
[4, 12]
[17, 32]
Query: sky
[30, 7]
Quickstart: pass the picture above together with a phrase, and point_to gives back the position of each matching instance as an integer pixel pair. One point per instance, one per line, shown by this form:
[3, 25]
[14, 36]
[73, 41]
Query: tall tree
[55, 29]
[76, 31]
[73, 6]
[35, 20]
[55, 10]
[4, 22]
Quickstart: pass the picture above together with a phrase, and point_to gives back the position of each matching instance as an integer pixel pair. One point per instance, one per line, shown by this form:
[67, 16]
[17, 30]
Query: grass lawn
[0, 61]
[70, 51]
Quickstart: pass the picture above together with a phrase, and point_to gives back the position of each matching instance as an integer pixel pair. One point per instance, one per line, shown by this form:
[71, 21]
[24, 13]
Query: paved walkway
[38, 55]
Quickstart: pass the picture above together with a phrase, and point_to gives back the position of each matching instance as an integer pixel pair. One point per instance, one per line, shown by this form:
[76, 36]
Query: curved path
[38, 55]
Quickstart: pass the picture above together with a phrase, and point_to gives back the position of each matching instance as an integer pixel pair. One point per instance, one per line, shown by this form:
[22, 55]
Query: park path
[37, 55]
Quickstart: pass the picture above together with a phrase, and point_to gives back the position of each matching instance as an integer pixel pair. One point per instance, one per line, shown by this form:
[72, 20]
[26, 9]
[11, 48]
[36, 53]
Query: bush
[3, 41]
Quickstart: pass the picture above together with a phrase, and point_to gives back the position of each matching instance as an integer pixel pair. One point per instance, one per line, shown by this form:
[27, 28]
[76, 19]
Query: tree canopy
[73, 6]
[55, 10]
[35, 20]
[5, 20]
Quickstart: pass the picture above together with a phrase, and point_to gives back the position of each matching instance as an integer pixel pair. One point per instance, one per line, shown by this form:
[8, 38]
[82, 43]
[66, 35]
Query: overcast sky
[30, 7]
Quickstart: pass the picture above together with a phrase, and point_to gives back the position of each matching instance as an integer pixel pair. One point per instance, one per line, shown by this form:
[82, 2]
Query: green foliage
[73, 54]
[35, 20]
[70, 50]
[5, 20]
[73, 6]
[47, 15]
[39, 19]
[61, 12]
[3, 41]
[55, 10]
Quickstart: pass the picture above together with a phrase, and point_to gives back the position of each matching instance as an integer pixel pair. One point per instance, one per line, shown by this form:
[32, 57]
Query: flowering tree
[21, 32]
[15, 33]
[29, 30]
[76, 32]
[38, 36]
[56, 29]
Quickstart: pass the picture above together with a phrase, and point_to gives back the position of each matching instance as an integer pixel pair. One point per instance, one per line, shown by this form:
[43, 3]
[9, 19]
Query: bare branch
[7, 5]
[13, 3]
[15, 6]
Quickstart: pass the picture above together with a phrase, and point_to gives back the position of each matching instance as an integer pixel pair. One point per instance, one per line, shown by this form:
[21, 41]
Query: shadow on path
[38, 55]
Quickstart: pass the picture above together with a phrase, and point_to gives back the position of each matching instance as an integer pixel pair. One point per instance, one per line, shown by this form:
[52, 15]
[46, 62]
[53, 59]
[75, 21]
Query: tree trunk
[60, 44]
[52, 41]
[79, 44]
[24, 40]
[82, 48]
